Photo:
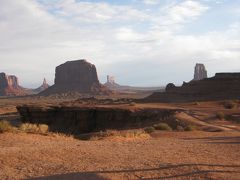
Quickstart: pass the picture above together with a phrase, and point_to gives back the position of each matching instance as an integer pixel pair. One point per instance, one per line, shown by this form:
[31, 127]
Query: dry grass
[114, 134]
[5, 126]
[220, 115]
[190, 128]
[231, 104]
[34, 128]
[163, 127]
[149, 130]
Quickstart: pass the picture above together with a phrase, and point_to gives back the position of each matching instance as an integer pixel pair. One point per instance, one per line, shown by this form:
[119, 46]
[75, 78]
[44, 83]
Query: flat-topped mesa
[9, 86]
[227, 75]
[222, 86]
[200, 72]
[76, 76]
[77, 72]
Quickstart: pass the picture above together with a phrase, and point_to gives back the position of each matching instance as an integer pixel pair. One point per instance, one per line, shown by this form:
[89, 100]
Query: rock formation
[84, 119]
[9, 86]
[43, 87]
[76, 76]
[200, 72]
[170, 86]
[220, 87]
[110, 79]
[111, 84]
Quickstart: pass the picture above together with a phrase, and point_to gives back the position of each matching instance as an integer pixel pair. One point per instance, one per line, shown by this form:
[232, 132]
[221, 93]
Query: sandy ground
[166, 155]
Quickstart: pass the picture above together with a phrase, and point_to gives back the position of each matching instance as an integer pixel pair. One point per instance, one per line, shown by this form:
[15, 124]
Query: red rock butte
[76, 76]
[9, 86]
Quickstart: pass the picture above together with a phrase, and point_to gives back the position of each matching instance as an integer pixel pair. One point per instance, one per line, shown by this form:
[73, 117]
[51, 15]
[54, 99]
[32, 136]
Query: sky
[140, 42]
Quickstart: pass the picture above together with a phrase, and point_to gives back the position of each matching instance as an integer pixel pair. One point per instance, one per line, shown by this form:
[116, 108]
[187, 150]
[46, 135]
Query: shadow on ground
[96, 175]
[218, 140]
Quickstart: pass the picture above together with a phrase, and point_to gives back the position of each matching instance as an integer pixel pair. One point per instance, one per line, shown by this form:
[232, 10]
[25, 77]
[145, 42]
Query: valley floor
[165, 155]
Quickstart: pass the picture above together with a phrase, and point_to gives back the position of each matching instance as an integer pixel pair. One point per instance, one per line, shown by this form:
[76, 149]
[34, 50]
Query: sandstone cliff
[9, 86]
[76, 76]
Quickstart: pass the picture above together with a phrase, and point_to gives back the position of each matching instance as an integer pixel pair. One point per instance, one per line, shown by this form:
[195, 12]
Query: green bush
[163, 127]
[220, 115]
[190, 128]
[5, 126]
[149, 130]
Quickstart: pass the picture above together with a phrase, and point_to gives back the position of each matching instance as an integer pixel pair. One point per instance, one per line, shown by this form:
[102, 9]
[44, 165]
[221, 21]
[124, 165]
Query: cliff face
[9, 86]
[76, 120]
[220, 87]
[200, 72]
[76, 76]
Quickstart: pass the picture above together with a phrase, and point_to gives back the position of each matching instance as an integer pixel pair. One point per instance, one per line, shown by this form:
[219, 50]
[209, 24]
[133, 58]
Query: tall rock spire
[200, 72]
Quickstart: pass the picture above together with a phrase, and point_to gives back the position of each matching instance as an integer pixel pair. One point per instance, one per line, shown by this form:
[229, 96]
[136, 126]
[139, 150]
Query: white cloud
[177, 14]
[140, 47]
[151, 2]
[101, 12]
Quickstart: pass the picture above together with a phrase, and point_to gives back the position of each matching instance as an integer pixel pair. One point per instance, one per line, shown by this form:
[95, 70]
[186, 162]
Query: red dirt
[177, 155]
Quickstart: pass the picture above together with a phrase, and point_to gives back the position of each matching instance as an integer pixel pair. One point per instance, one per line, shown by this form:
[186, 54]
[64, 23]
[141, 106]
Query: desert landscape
[80, 129]
[119, 90]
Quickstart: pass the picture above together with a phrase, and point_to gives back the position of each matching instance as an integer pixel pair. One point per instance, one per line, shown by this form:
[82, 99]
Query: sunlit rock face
[9, 86]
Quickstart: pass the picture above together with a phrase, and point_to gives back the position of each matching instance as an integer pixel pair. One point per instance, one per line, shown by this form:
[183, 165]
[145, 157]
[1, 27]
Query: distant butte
[43, 87]
[220, 87]
[76, 76]
[200, 72]
[9, 86]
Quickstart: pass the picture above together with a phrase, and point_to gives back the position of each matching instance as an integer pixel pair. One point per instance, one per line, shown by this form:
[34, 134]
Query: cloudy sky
[140, 42]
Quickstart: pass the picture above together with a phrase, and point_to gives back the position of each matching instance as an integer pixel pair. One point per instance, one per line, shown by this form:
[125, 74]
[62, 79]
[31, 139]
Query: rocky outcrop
[220, 87]
[170, 86]
[77, 120]
[111, 84]
[43, 87]
[200, 72]
[9, 86]
[76, 76]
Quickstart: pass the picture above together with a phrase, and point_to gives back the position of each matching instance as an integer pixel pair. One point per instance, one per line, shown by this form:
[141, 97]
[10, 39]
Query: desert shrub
[220, 115]
[179, 128]
[190, 128]
[149, 129]
[163, 127]
[230, 104]
[132, 104]
[196, 103]
[34, 128]
[135, 134]
[5, 126]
